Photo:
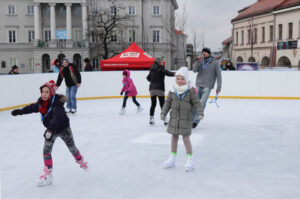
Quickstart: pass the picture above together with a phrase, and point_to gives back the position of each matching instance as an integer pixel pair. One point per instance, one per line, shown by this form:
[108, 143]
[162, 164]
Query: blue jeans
[203, 94]
[71, 94]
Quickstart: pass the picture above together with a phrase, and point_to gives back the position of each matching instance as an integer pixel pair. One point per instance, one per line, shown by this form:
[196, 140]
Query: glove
[126, 93]
[48, 134]
[200, 117]
[162, 117]
[121, 93]
[16, 112]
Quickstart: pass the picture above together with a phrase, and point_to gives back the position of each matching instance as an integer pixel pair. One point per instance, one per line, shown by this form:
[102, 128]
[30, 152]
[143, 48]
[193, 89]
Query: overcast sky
[213, 17]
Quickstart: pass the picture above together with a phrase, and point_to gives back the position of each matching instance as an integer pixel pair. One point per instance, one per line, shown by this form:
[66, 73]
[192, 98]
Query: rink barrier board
[148, 96]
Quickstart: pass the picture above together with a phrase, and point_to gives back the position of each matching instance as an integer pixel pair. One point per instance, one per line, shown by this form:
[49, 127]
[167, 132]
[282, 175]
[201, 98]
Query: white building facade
[34, 32]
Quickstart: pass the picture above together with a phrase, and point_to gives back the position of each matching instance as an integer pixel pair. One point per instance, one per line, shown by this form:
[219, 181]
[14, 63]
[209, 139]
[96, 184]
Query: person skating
[72, 77]
[56, 65]
[156, 77]
[87, 65]
[209, 71]
[130, 90]
[181, 100]
[51, 107]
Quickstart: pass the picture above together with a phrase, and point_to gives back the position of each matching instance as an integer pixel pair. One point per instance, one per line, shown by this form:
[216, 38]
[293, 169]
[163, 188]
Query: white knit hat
[183, 71]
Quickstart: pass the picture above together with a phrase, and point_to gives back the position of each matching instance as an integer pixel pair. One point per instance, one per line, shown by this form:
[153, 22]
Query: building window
[12, 36]
[11, 10]
[47, 35]
[242, 35]
[156, 10]
[237, 38]
[280, 31]
[131, 10]
[271, 33]
[78, 35]
[255, 35]
[31, 64]
[62, 11]
[3, 64]
[113, 10]
[131, 35]
[156, 36]
[30, 36]
[290, 30]
[13, 61]
[30, 10]
[77, 10]
[299, 30]
[93, 37]
[249, 36]
[114, 36]
[263, 32]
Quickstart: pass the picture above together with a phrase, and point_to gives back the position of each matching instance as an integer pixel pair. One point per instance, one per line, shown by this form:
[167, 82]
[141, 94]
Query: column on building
[69, 21]
[84, 20]
[37, 21]
[52, 21]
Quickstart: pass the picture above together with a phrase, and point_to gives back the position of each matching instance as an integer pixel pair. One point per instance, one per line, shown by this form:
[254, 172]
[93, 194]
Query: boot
[152, 121]
[139, 109]
[82, 163]
[189, 165]
[122, 111]
[170, 163]
[46, 178]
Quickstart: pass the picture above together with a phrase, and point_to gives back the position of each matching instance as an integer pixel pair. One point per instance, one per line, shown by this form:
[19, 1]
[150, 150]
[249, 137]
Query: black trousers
[153, 103]
[133, 99]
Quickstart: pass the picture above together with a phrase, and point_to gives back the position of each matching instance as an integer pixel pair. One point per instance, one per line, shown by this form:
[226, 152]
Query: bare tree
[105, 25]
[180, 23]
[196, 43]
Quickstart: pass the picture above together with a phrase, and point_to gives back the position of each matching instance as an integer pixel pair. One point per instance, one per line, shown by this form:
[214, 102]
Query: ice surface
[245, 149]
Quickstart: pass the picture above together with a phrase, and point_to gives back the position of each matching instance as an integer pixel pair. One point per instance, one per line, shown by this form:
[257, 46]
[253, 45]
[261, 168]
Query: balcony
[61, 44]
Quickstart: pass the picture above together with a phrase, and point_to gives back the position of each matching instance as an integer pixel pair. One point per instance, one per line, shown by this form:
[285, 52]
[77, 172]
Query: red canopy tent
[133, 58]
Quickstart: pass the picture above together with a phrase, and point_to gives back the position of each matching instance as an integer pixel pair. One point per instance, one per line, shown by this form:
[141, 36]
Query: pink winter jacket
[128, 85]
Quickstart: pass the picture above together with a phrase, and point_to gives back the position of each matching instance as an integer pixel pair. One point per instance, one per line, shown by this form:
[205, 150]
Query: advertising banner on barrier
[247, 66]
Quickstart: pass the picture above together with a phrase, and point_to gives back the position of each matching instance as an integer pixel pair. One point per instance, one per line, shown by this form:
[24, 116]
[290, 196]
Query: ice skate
[152, 121]
[189, 165]
[122, 111]
[82, 163]
[139, 109]
[170, 163]
[46, 178]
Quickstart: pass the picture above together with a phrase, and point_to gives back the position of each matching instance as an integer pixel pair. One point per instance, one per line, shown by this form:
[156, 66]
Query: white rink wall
[22, 89]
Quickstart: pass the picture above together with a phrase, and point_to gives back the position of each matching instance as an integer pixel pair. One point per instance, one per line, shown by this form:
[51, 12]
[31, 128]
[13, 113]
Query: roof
[260, 7]
[225, 42]
[287, 4]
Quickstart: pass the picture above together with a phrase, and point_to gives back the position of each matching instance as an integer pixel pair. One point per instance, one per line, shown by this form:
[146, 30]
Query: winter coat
[71, 74]
[156, 77]
[207, 77]
[57, 118]
[229, 67]
[128, 85]
[181, 116]
[88, 67]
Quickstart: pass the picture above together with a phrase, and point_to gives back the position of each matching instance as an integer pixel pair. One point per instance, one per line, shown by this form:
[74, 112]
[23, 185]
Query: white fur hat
[183, 71]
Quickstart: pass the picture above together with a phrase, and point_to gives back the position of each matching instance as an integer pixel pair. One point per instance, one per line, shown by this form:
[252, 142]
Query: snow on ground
[246, 149]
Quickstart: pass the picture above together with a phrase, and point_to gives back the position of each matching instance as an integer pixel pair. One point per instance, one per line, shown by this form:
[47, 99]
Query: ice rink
[246, 149]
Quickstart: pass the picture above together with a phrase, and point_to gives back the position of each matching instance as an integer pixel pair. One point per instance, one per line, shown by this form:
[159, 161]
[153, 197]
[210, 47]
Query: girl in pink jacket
[130, 90]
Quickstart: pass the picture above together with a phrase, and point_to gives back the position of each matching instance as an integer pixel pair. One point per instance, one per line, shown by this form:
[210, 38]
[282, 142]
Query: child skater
[55, 119]
[181, 100]
[130, 90]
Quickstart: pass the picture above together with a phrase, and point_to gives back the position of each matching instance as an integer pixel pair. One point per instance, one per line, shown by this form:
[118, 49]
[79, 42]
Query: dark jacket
[13, 73]
[156, 77]
[88, 67]
[229, 67]
[71, 78]
[57, 118]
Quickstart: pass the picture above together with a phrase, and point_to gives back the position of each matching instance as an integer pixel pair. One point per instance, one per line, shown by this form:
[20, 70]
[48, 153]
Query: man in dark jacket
[87, 65]
[156, 77]
[14, 70]
[72, 77]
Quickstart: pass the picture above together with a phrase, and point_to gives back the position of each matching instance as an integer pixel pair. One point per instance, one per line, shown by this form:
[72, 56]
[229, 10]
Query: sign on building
[61, 34]
[284, 45]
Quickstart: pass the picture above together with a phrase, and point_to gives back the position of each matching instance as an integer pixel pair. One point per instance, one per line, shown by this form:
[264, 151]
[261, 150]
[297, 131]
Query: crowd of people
[185, 102]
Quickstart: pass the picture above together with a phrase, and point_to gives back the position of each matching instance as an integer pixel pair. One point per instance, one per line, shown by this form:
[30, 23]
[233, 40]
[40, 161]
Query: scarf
[180, 89]
[44, 107]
